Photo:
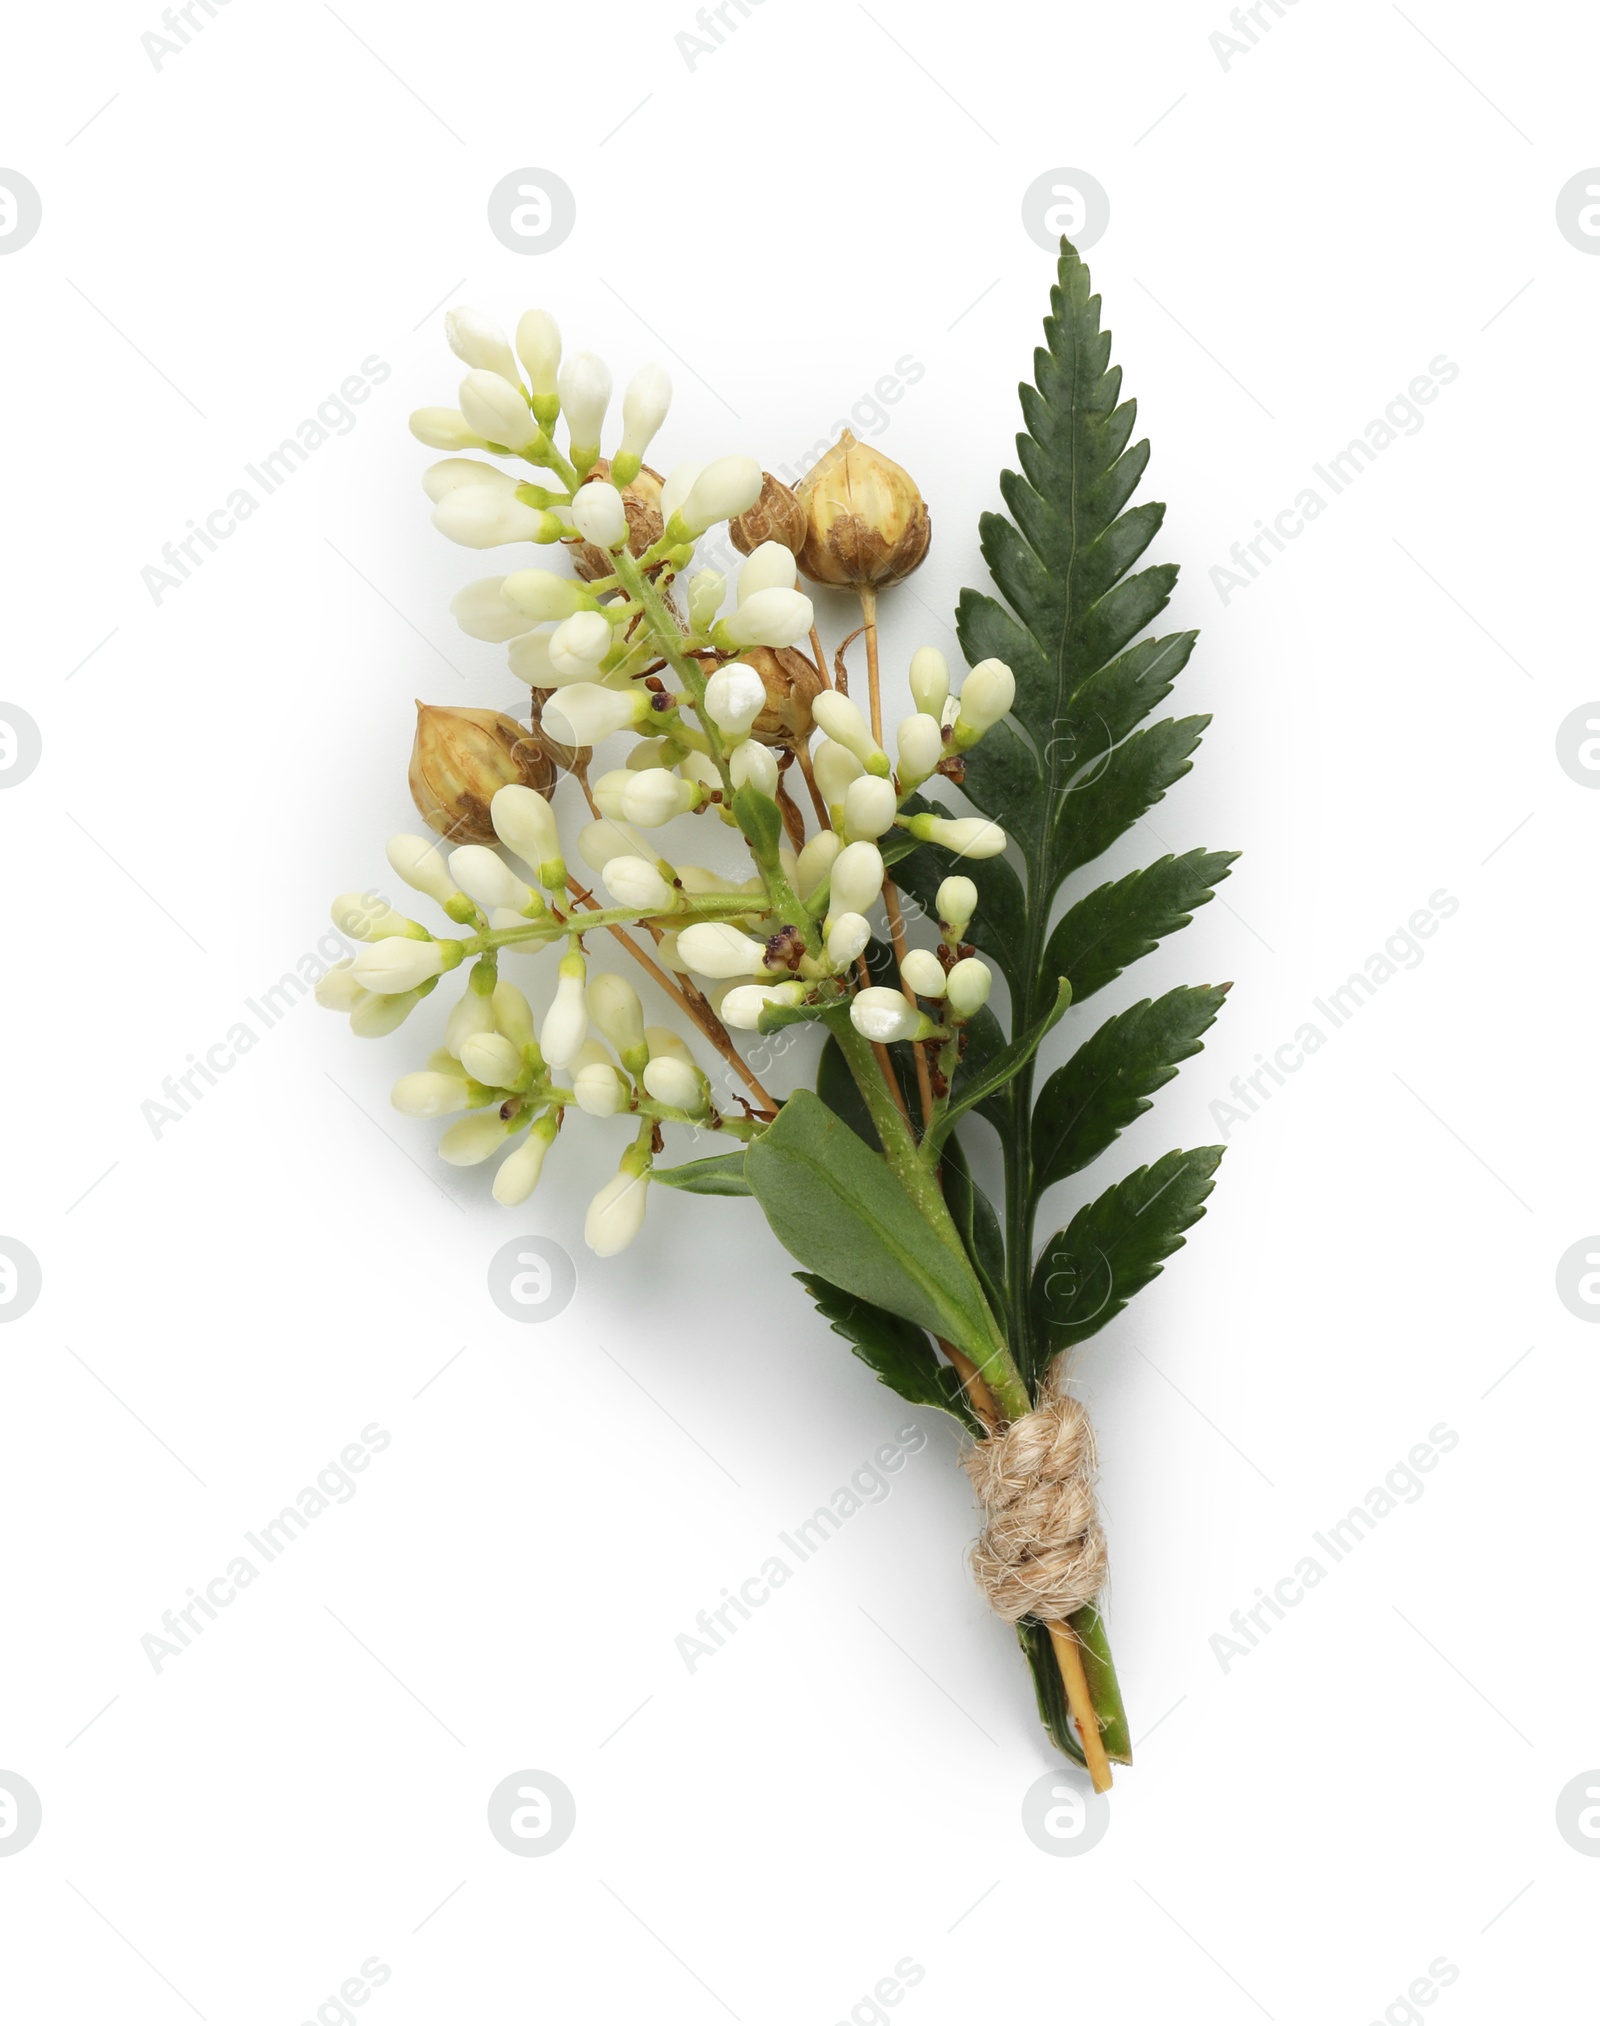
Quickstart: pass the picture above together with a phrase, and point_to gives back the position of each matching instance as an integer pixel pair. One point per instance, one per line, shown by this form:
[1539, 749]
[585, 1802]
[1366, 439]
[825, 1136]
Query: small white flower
[816, 861]
[644, 409]
[672, 1082]
[491, 1059]
[968, 986]
[452, 472]
[607, 790]
[482, 610]
[706, 591]
[339, 989]
[539, 348]
[541, 595]
[923, 974]
[445, 429]
[473, 1013]
[420, 863]
[635, 883]
[745, 1004]
[474, 1139]
[485, 877]
[528, 658]
[857, 880]
[869, 806]
[616, 1216]
[774, 618]
[768, 567]
[676, 486]
[525, 823]
[753, 765]
[956, 902]
[599, 515]
[513, 1016]
[600, 1090]
[662, 1042]
[848, 936]
[398, 964]
[518, 1174]
[721, 491]
[930, 681]
[835, 767]
[497, 410]
[883, 1014]
[381, 1013]
[615, 1009]
[719, 950]
[966, 836]
[566, 1025]
[584, 384]
[986, 695]
[485, 517]
[429, 1094]
[580, 644]
[478, 340]
[920, 745]
[735, 697]
[842, 721]
[582, 713]
[366, 918]
[653, 796]
[599, 843]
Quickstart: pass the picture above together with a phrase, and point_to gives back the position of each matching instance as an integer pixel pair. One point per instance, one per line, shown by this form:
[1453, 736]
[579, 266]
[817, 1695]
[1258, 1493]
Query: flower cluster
[724, 700]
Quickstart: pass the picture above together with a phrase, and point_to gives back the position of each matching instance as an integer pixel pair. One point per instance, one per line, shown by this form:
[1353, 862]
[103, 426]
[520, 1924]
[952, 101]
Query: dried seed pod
[792, 683]
[641, 501]
[866, 523]
[777, 516]
[461, 757]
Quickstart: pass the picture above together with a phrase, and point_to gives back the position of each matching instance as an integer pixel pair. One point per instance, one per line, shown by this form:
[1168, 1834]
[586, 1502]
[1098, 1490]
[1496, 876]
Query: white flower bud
[663, 1042]
[482, 610]
[599, 515]
[883, 1014]
[420, 862]
[607, 790]
[485, 517]
[842, 722]
[380, 1013]
[599, 843]
[473, 1013]
[525, 823]
[768, 567]
[429, 1094]
[706, 591]
[869, 806]
[497, 410]
[735, 697]
[644, 409]
[753, 765]
[445, 429]
[486, 878]
[966, 836]
[744, 1005]
[616, 1216]
[584, 384]
[517, 1176]
[452, 472]
[339, 989]
[539, 348]
[580, 644]
[967, 987]
[513, 1016]
[474, 1139]
[541, 595]
[676, 1083]
[397, 964]
[956, 902]
[816, 860]
[600, 1090]
[364, 917]
[566, 1025]
[857, 880]
[986, 695]
[721, 492]
[835, 767]
[920, 744]
[676, 487]
[848, 936]
[774, 618]
[615, 1009]
[719, 950]
[635, 883]
[930, 681]
[582, 713]
[923, 974]
[479, 341]
[654, 796]
[491, 1059]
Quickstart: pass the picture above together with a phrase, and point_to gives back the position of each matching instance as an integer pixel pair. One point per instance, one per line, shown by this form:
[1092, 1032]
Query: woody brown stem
[1069, 1658]
[983, 1401]
[802, 753]
[821, 659]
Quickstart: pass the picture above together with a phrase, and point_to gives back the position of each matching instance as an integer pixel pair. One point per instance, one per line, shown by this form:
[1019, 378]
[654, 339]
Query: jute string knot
[1042, 1553]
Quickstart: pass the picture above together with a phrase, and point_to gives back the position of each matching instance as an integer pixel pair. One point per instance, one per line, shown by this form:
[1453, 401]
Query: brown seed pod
[460, 758]
[866, 523]
[641, 502]
[792, 685]
[777, 516]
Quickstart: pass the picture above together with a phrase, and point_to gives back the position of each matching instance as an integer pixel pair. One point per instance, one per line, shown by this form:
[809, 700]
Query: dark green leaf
[896, 1350]
[973, 1216]
[1115, 1245]
[1117, 924]
[1001, 1068]
[1114, 795]
[717, 1175]
[1105, 1086]
[838, 1091]
[839, 1209]
[986, 1038]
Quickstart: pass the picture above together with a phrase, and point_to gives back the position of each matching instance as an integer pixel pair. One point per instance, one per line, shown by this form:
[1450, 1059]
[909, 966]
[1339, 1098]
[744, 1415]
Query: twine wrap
[1042, 1553]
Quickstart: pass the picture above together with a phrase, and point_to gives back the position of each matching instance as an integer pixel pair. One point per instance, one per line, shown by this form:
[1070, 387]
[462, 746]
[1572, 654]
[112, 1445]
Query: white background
[1293, 237]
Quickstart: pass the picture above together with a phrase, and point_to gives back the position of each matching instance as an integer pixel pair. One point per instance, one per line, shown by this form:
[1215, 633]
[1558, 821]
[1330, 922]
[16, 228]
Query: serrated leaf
[1089, 1272]
[1109, 1081]
[1113, 794]
[1117, 924]
[716, 1175]
[896, 1350]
